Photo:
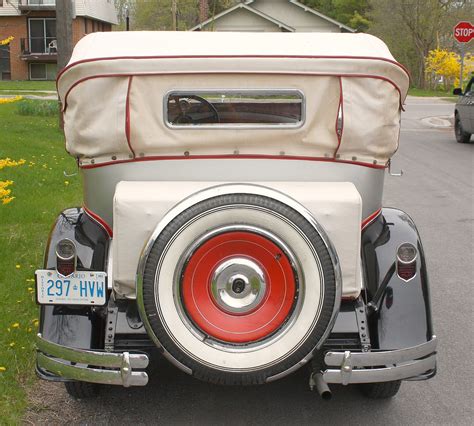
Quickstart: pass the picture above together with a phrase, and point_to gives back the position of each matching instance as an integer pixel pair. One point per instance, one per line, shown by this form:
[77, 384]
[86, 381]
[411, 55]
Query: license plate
[79, 288]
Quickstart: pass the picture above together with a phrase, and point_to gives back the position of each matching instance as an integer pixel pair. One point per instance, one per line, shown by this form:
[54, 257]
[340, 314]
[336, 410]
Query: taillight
[406, 261]
[65, 257]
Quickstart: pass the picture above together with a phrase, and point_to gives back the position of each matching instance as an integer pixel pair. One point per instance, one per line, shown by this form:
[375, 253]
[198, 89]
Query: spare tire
[239, 288]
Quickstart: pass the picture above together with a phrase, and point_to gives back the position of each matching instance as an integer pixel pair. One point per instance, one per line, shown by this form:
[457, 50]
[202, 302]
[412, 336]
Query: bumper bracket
[382, 366]
[91, 366]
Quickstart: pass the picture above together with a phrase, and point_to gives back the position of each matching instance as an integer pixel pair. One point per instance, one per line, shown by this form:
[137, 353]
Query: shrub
[38, 108]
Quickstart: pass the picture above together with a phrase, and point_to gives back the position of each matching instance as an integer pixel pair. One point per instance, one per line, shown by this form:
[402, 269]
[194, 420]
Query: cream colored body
[140, 206]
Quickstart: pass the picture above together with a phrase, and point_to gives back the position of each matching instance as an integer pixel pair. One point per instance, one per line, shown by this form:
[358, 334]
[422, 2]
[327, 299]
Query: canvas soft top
[112, 93]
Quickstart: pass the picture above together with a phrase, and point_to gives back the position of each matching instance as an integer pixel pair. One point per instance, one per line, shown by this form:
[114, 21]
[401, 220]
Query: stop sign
[463, 32]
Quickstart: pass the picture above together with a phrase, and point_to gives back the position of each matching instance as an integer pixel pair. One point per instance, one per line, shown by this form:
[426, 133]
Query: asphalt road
[437, 191]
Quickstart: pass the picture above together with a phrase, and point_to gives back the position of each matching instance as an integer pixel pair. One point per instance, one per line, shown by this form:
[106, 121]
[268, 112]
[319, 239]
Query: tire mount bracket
[112, 313]
[362, 324]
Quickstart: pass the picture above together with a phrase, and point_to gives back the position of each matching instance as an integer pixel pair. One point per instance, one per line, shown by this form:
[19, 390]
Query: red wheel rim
[277, 292]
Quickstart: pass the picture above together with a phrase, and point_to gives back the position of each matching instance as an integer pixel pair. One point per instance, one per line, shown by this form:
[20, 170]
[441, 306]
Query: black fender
[399, 311]
[78, 327]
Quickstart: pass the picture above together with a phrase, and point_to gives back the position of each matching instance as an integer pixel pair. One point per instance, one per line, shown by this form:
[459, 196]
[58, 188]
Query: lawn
[431, 93]
[27, 85]
[41, 191]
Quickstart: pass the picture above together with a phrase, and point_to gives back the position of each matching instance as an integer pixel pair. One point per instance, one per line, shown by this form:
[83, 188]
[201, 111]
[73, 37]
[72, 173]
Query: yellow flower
[4, 193]
[66, 182]
[17, 266]
[35, 322]
[16, 325]
[30, 280]
[6, 41]
[8, 162]
[29, 330]
[11, 344]
[2, 369]
[5, 183]
[30, 289]
[7, 200]
[10, 100]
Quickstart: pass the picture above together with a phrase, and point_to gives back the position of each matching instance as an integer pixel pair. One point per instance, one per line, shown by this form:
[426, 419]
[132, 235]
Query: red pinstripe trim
[232, 157]
[373, 58]
[376, 77]
[367, 221]
[99, 220]
[341, 110]
[127, 116]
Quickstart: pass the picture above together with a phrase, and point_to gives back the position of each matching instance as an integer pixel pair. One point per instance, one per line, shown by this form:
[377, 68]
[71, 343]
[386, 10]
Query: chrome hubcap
[238, 285]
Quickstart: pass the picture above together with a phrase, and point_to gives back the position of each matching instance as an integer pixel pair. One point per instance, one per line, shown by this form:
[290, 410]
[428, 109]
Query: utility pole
[174, 11]
[127, 18]
[64, 14]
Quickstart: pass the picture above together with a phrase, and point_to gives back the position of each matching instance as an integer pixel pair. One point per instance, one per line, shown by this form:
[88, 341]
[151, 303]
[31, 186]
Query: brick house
[32, 55]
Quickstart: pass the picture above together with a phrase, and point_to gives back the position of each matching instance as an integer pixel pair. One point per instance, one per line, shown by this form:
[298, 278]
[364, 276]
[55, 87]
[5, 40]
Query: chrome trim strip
[367, 359]
[92, 375]
[82, 356]
[375, 375]
[56, 359]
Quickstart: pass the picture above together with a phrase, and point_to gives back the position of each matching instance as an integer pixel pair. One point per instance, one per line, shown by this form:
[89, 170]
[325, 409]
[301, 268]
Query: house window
[42, 34]
[39, 71]
[5, 73]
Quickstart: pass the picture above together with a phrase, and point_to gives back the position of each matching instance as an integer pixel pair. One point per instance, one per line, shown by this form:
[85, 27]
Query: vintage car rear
[232, 215]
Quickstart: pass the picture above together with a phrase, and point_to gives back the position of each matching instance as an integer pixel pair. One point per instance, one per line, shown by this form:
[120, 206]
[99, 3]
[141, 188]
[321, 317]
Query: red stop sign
[463, 32]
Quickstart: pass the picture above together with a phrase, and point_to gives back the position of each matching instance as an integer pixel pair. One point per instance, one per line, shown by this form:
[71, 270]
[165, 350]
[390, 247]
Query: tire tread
[382, 390]
[82, 390]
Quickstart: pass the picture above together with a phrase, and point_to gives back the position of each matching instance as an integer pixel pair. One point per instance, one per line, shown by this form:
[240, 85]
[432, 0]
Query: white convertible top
[113, 89]
[206, 43]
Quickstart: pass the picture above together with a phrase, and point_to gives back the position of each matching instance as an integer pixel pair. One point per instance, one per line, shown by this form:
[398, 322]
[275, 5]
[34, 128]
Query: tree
[412, 28]
[158, 14]
[353, 13]
[445, 64]
[121, 7]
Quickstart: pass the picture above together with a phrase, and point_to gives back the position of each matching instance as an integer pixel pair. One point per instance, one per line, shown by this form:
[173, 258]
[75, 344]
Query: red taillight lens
[65, 267]
[65, 257]
[406, 261]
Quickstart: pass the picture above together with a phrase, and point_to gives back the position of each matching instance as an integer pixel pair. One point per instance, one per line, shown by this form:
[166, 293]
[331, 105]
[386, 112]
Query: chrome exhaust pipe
[321, 386]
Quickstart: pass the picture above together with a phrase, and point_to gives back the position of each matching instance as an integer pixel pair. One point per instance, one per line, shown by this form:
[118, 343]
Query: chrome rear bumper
[90, 366]
[383, 366]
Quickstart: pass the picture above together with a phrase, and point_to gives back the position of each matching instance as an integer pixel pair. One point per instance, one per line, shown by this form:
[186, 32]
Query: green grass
[40, 194]
[15, 93]
[431, 93]
[27, 85]
[38, 108]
